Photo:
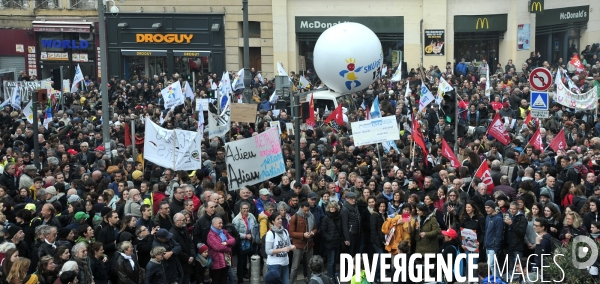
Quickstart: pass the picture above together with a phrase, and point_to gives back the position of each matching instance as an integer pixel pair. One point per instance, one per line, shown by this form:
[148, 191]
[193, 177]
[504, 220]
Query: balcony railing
[47, 4]
[83, 4]
[14, 4]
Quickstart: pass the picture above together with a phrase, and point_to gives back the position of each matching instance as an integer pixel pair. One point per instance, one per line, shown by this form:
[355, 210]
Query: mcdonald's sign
[480, 23]
[537, 6]
[484, 23]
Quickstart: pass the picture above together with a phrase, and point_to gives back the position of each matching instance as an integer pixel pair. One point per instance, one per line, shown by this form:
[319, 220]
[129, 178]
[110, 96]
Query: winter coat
[476, 223]
[217, 251]
[515, 233]
[172, 266]
[155, 273]
[298, 225]
[127, 274]
[240, 226]
[589, 218]
[106, 236]
[331, 230]
[350, 221]
[401, 232]
[429, 226]
[494, 232]
[376, 223]
[201, 228]
[133, 208]
[10, 182]
[85, 273]
[98, 271]
[182, 237]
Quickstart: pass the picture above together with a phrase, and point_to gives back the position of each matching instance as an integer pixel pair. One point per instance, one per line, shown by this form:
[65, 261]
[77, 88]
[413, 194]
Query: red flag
[497, 130]
[591, 166]
[311, 113]
[536, 141]
[419, 140]
[335, 119]
[559, 142]
[127, 134]
[368, 114]
[486, 176]
[528, 118]
[448, 153]
[577, 63]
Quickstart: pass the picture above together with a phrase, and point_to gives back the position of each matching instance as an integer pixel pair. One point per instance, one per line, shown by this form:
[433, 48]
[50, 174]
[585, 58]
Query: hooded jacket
[515, 233]
[494, 232]
[331, 230]
[431, 228]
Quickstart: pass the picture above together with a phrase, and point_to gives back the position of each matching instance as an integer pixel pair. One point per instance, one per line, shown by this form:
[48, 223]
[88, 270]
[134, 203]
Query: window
[14, 4]
[253, 29]
[46, 4]
[83, 4]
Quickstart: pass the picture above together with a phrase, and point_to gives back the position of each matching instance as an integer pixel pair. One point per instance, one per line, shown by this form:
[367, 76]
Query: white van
[327, 99]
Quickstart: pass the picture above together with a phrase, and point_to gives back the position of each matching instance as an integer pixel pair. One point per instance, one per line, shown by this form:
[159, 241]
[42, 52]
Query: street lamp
[104, 71]
[247, 96]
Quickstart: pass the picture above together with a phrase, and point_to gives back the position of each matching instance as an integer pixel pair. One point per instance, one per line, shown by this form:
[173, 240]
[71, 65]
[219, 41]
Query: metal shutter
[13, 62]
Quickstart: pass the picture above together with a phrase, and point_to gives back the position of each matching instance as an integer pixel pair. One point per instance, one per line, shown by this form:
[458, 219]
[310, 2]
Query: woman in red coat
[219, 243]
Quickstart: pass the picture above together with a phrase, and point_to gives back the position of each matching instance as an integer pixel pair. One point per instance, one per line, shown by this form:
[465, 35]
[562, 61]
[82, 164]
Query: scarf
[309, 217]
[130, 260]
[281, 234]
[219, 232]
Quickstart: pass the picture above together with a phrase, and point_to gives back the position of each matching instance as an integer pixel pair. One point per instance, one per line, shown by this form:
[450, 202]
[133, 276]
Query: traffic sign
[539, 100]
[540, 113]
[540, 79]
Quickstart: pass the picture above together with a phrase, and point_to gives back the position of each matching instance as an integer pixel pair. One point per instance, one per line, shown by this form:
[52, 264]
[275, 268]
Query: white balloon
[348, 57]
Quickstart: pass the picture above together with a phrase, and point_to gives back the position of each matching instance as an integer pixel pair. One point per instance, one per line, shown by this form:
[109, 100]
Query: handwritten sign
[469, 239]
[25, 87]
[253, 160]
[174, 149]
[374, 131]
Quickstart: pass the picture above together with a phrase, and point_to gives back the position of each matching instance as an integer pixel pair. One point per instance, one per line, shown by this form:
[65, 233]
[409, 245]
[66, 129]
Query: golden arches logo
[484, 23]
[536, 6]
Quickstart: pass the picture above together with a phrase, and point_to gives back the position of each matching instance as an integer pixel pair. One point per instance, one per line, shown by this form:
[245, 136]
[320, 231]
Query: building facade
[433, 32]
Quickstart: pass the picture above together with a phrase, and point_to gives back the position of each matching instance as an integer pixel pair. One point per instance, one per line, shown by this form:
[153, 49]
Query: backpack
[582, 170]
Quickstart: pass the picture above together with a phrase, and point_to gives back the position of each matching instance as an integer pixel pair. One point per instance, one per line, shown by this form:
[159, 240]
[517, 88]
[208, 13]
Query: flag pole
[379, 155]
[474, 175]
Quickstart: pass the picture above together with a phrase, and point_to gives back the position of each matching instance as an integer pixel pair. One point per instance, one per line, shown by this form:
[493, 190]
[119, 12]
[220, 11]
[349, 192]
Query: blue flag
[375, 111]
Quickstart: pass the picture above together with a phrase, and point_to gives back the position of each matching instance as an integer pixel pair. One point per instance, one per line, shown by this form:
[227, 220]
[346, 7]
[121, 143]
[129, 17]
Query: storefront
[558, 31]
[150, 44]
[477, 37]
[64, 44]
[390, 31]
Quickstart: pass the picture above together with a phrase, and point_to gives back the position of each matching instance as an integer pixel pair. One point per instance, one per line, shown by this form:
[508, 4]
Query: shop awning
[191, 53]
[137, 52]
[64, 27]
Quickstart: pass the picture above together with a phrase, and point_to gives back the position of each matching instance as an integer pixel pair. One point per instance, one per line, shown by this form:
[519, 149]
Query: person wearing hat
[172, 266]
[133, 204]
[450, 247]
[79, 219]
[547, 194]
[264, 197]
[494, 234]
[350, 217]
[26, 179]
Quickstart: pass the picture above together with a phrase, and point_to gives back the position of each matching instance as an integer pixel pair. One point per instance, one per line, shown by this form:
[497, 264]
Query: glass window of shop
[144, 65]
[473, 48]
[67, 50]
[477, 37]
[186, 65]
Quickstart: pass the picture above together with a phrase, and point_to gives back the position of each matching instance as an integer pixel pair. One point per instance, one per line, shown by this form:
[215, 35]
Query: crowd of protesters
[91, 215]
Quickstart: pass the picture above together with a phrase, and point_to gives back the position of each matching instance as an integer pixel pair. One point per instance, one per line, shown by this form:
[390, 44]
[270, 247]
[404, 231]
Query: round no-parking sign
[540, 79]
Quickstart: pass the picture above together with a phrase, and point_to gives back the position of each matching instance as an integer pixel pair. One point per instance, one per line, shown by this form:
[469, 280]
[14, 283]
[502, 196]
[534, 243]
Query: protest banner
[174, 149]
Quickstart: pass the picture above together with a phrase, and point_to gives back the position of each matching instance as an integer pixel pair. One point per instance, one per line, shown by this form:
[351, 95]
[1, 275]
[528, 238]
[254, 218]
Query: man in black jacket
[48, 246]
[351, 223]
[9, 180]
[515, 226]
[170, 262]
[186, 257]
[203, 224]
[177, 201]
[107, 235]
